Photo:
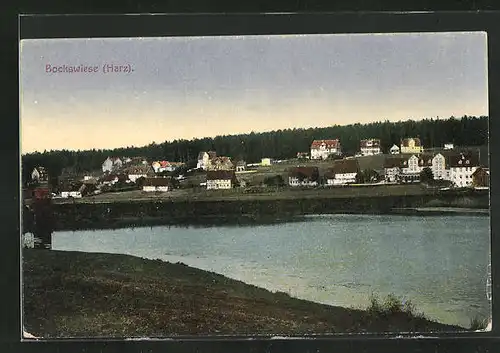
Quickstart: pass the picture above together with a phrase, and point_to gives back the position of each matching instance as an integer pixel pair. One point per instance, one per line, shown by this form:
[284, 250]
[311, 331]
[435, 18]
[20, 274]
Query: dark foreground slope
[86, 294]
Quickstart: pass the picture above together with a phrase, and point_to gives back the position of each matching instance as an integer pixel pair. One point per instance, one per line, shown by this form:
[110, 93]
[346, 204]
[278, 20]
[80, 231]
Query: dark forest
[280, 144]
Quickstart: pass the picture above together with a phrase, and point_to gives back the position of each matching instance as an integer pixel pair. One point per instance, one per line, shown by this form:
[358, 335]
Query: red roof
[328, 143]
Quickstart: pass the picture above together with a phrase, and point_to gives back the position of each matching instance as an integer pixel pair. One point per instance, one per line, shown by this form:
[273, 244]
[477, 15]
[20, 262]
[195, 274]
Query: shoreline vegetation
[230, 208]
[76, 294]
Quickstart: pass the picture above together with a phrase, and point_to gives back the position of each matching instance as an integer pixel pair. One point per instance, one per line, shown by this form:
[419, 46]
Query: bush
[392, 305]
[478, 323]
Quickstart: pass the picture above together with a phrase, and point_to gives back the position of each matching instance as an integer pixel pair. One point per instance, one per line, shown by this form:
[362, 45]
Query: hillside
[73, 294]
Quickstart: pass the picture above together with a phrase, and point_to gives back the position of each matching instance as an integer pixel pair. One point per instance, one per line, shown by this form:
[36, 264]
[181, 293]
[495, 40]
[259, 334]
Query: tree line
[280, 144]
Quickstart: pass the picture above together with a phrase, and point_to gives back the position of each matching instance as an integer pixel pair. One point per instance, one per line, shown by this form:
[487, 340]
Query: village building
[221, 179]
[40, 175]
[411, 145]
[481, 177]
[219, 163]
[164, 166]
[109, 179]
[394, 149]
[448, 146]
[410, 171]
[111, 164]
[322, 149]
[370, 147]
[302, 155]
[392, 169]
[204, 159]
[343, 172]
[156, 184]
[462, 166]
[439, 170]
[241, 166]
[265, 162]
[135, 172]
[303, 176]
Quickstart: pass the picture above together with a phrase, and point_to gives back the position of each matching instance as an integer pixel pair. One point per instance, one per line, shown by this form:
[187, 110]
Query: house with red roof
[321, 149]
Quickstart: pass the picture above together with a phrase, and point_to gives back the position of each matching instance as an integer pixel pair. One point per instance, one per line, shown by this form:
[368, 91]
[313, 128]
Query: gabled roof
[156, 182]
[201, 154]
[344, 166]
[311, 173]
[463, 160]
[425, 160]
[328, 143]
[481, 170]
[221, 175]
[394, 162]
[139, 169]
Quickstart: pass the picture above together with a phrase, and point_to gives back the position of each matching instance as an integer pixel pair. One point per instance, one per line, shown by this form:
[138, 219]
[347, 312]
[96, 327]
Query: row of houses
[342, 172]
[322, 149]
[458, 168]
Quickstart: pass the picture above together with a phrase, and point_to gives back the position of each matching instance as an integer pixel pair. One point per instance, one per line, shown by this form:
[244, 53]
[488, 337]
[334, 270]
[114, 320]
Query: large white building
[462, 167]
[321, 149]
[370, 147]
[457, 168]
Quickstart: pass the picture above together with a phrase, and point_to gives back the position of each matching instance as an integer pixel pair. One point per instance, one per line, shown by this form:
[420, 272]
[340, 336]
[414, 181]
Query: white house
[439, 170]
[411, 145]
[303, 176]
[410, 170]
[321, 149]
[392, 168]
[220, 179]
[138, 171]
[39, 174]
[394, 149]
[156, 184]
[448, 146]
[370, 147]
[462, 166]
[111, 163]
[241, 166]
[204, 159]
[343, 172]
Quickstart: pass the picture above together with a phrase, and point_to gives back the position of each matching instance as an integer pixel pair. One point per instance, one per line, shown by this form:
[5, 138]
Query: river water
[437, 262]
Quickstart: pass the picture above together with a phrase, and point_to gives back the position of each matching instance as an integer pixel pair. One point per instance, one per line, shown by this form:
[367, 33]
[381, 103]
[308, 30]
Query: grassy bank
[84, 294]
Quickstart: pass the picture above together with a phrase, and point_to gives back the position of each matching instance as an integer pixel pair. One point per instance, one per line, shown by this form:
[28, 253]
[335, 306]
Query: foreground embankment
[74, 294]
[226, 208]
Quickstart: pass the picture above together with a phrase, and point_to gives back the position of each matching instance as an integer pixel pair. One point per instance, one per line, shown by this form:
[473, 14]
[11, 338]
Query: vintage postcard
[282, 185]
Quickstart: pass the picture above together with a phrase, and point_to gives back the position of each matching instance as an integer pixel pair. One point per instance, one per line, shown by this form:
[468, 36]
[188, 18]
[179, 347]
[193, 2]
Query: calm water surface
[438, 262]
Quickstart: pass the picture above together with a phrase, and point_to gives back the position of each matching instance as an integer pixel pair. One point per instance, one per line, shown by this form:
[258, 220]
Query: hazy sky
[196, 87]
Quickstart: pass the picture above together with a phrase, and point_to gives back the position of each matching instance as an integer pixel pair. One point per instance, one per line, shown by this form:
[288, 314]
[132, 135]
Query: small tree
[426, 175]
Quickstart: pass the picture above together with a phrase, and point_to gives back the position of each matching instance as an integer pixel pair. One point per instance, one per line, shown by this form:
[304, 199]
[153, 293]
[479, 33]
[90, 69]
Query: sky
[194, 87]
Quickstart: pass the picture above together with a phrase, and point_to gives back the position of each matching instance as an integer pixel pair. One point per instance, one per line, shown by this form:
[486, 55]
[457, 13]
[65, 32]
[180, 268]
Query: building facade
[462, 167]
[343, 172]
[220, 179]
[303, 176]
[411, 145]
[321, 149]
[394, 149]
[370, 147]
